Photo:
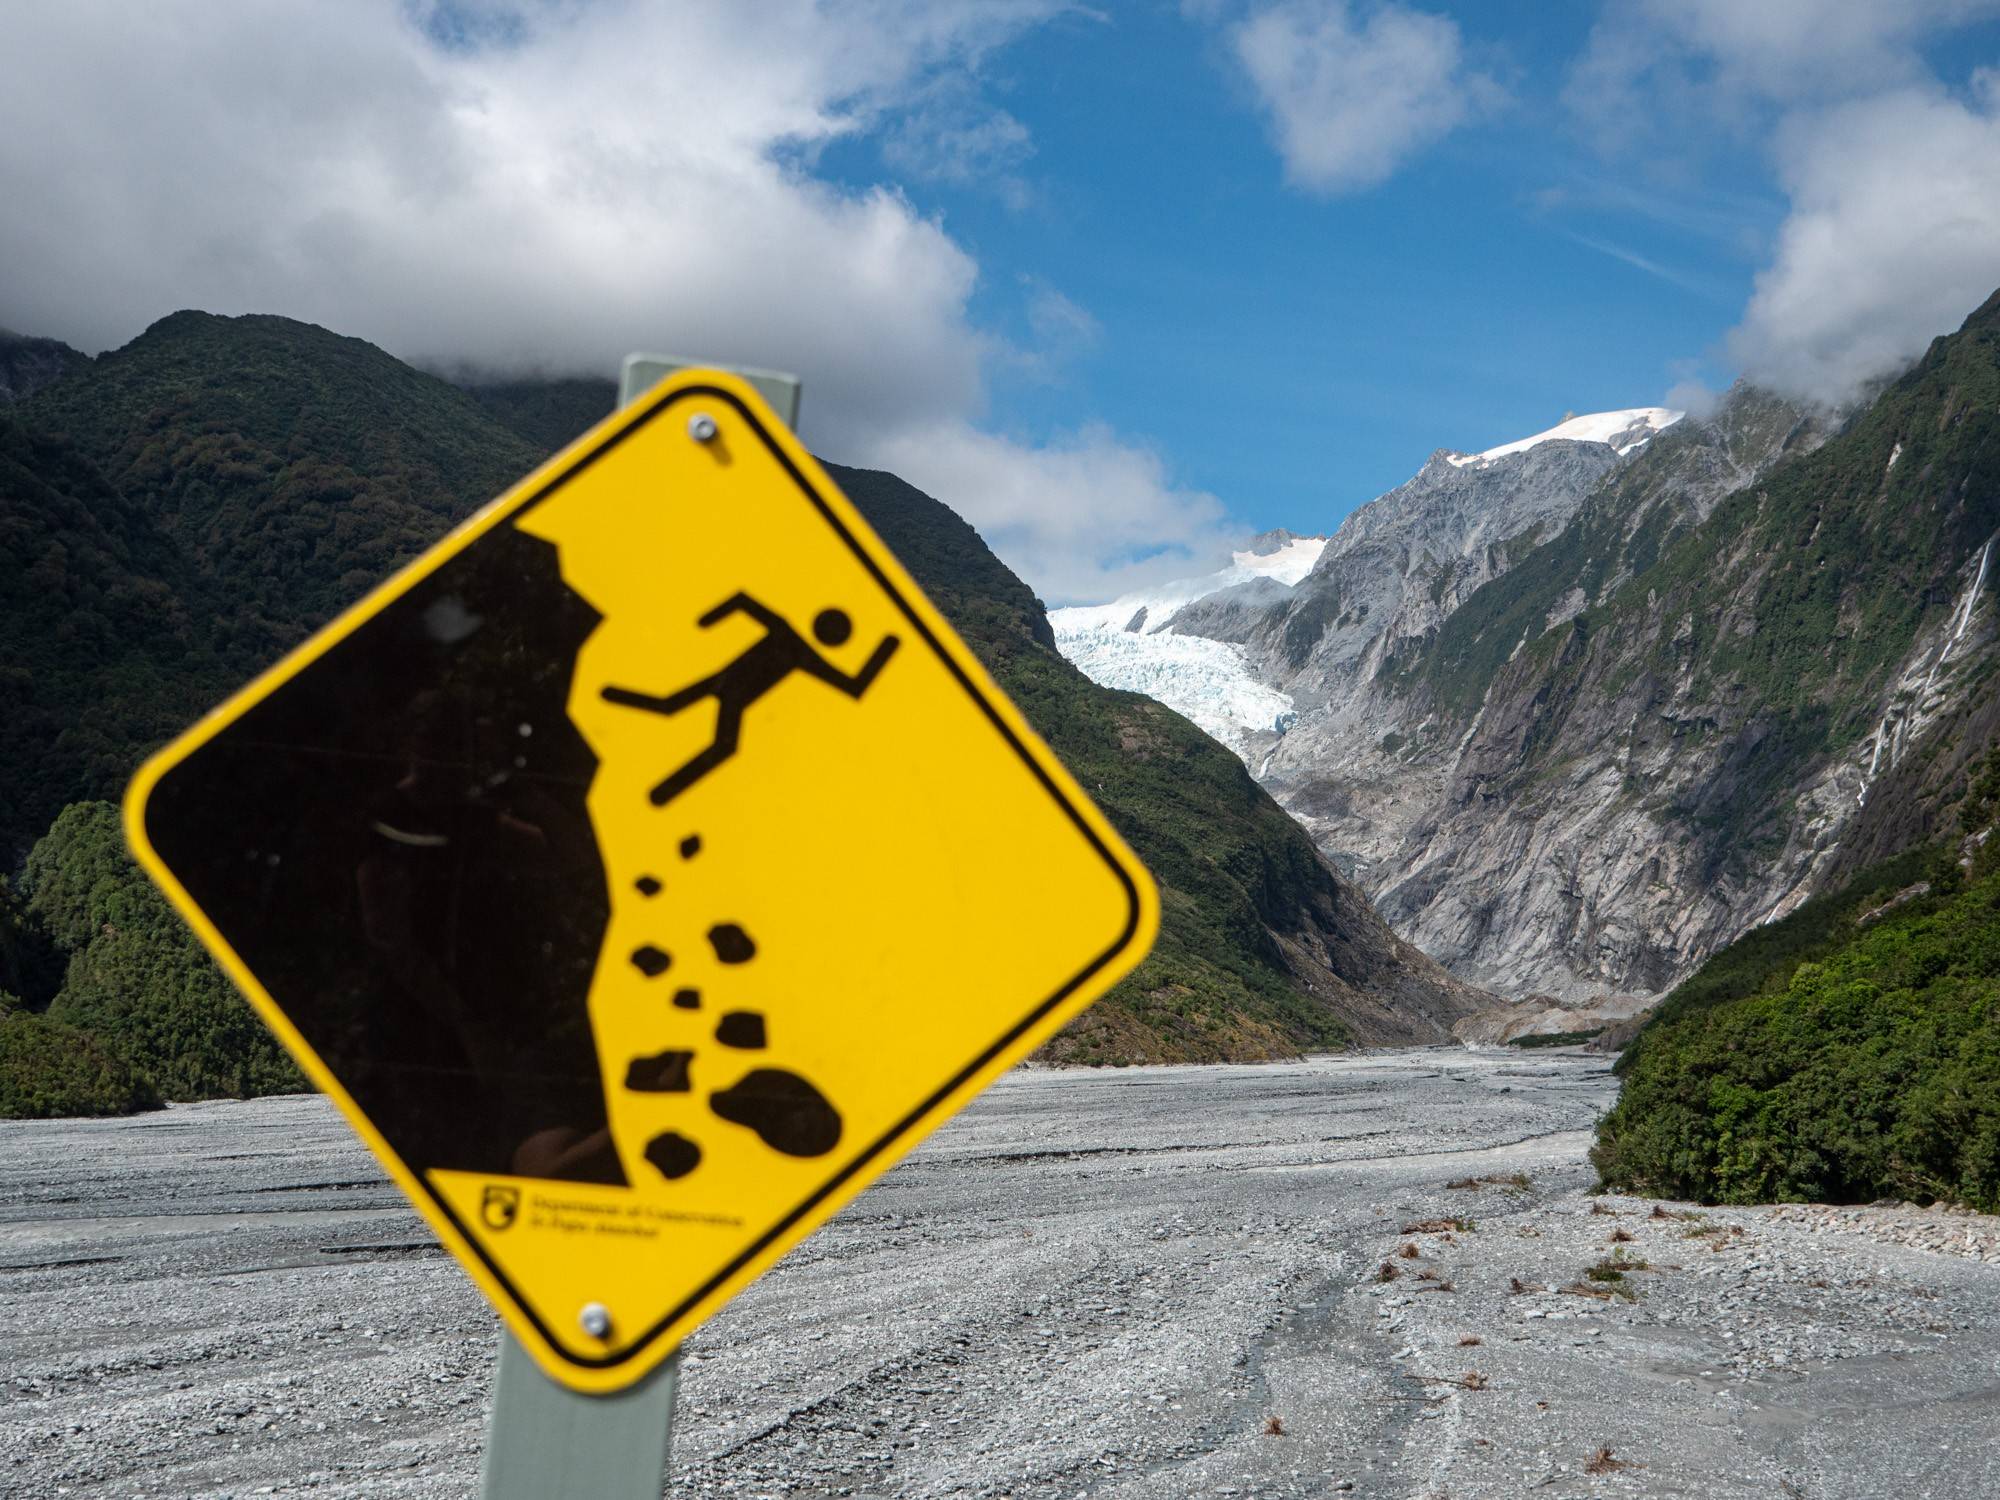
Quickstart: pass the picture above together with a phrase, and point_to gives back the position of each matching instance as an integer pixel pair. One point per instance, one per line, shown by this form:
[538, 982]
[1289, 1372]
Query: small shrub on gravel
[1621, 1237]
[1602, 1293]
[48, 1069]
[1601, 1462]
[1409, 1252]
[1274, 1427]
[1513, 1182]
[1516, 1285]
[1472, 1340]
[1614, 1266]
[1608, 1277]
[1387, 1272]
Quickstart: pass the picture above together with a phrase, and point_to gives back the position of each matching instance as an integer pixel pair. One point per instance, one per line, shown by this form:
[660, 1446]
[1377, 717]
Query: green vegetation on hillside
[1762, 961]
[294, 467]
[1848, 1053]
[136, 980]
[99, 651]
[175, 514]
[550, 414]
[49, 1069]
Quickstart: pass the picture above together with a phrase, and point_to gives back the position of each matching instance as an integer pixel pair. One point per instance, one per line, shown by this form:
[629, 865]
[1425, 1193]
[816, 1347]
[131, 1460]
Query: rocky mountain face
[1576, 718]
[1344, 756]
[1684, 757]
[1392, 574]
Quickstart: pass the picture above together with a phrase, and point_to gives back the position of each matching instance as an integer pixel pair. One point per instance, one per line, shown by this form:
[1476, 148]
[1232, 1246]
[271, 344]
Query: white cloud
[543, 187]
[951, 134]
[1639, 262]
[1655, 65]
[1693, 397]
[1057, 320]
[1893, 237]
[1084, 519]
[1892, 230]
[1353, 94]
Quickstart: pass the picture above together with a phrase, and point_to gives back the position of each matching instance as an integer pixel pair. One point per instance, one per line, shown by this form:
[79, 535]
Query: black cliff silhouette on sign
[397, 842]
[762, 667]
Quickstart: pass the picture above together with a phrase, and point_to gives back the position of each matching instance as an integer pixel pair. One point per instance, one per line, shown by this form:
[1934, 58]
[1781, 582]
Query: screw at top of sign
[596, 1320]
[701, 427]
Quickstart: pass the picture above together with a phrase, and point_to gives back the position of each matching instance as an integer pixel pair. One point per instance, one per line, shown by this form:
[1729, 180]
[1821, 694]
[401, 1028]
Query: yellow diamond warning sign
[644, 870]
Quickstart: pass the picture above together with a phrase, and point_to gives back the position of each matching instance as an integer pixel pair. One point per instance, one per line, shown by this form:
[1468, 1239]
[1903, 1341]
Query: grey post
[644, 371]
[545, 1441]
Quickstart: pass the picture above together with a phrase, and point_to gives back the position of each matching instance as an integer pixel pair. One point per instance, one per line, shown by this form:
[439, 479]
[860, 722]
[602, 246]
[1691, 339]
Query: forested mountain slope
[1848, 1052]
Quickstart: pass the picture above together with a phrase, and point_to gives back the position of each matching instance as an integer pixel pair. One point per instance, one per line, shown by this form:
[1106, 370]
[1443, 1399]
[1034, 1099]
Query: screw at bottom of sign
[596, 1320]
[701, 427]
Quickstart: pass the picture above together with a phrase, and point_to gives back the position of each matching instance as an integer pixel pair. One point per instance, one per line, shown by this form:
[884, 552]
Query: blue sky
[1298, 353]
[1121, 282]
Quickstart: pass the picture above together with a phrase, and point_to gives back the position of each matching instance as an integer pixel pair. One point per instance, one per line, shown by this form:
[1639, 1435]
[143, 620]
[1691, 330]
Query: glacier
[1130, 643]
[1208, 682]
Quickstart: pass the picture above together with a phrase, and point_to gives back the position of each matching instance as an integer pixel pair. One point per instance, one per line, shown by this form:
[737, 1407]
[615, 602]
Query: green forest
[1846, 1053]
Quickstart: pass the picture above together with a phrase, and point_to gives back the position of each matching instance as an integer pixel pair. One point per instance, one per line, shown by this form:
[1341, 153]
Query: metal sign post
[546, 1442]
[543, 1440]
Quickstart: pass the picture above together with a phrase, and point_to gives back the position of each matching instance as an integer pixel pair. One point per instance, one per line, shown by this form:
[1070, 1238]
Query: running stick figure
[762, 667]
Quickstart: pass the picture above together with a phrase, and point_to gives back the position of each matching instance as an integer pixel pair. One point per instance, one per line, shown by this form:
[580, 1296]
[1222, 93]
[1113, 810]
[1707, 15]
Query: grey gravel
[1101, 1284]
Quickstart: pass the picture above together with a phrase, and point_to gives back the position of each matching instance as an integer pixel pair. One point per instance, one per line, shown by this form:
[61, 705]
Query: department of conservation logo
[500, 1206]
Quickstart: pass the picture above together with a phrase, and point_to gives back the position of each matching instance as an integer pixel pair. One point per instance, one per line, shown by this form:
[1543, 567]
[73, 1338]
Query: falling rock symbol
[651, 961]
[786, 1111]
[662, 1073]
[674, 1154]
[731, 943]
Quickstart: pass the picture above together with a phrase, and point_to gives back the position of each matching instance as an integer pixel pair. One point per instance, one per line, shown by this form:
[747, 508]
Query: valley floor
[1098, 1284]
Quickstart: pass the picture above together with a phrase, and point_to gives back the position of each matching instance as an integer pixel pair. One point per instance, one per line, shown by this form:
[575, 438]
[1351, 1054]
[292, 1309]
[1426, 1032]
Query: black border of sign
[937, 1097]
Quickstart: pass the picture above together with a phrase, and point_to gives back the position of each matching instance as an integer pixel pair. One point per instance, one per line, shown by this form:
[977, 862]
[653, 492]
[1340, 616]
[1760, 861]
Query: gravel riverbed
[1146, 1282]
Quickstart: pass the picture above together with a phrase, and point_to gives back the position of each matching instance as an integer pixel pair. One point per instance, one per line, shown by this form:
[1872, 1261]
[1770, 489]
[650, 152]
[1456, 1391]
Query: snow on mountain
[1452, 509]
[1622, 430]
[1125, 644]
[1289, 560]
